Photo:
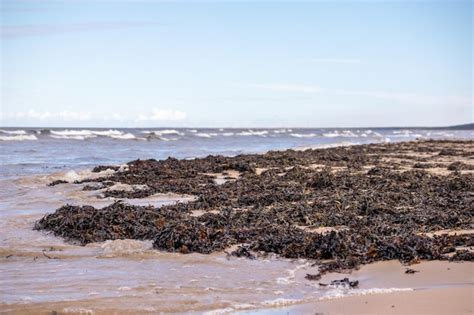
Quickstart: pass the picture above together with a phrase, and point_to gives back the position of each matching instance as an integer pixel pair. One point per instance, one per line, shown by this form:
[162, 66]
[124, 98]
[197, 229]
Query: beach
[258, 246]
[236, 157]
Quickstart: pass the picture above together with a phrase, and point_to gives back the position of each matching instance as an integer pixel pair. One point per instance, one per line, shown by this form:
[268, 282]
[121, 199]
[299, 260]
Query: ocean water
[41, 270]
[42, 151]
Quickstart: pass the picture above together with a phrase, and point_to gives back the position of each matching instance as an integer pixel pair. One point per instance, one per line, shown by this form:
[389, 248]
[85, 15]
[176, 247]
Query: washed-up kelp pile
[341, 206]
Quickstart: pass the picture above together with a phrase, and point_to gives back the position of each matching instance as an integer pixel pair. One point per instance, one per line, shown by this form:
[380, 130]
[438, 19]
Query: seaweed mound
[341, 206]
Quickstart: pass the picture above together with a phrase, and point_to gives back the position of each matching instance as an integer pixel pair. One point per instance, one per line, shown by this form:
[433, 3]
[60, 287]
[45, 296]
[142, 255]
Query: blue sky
[236, 64]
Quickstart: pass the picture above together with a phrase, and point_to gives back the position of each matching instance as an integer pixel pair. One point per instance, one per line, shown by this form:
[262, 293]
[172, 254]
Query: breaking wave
[126, 136]
[19, 137]
[303, 135]
[282, 130]
[307, 136]
[406, 134]
[205, 135]
[13, 132]
[160, 133]
[87, 134]
[261, 133]
[71, 132]
[338, 133]
[71, 137]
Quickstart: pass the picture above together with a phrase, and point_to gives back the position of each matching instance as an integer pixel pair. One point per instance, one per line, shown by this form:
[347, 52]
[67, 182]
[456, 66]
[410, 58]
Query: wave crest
[18, 138]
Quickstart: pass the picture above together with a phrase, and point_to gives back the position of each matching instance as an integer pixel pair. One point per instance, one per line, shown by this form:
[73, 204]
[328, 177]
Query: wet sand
[385, 288]
[431, 301]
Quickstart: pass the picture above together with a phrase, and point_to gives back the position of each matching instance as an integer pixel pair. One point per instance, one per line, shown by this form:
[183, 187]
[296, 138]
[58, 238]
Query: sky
[146, 63]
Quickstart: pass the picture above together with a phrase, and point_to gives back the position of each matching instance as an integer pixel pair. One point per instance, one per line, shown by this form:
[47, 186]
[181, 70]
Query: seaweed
[377, 199]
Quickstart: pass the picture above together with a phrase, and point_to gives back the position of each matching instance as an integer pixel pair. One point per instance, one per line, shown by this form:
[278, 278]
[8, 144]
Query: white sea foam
[127, 136]
[243, 306]
[72, 137]
[219, 311]
[160, 133]
[281, 302]
[18, 138]
[402, 132]
[228, 134]
[412, 135]
[370, 133]
[250, 132]
[292, 274]
[69, 134]
[72, 134]
[303, 135]
[341, 292]
[115, 248]
[106, 133]
[281, 130]
[205, 135]
[13, 132]
[124, 288]
[328, 145]
[78, 310]
[340, 133]
[72, 176]
[227, 310]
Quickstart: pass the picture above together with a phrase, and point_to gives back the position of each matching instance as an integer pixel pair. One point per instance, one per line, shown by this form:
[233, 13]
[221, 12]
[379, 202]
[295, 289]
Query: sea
[46, 273]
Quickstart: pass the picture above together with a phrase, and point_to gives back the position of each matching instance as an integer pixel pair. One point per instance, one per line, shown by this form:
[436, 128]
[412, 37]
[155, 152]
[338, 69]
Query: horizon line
[470, 124]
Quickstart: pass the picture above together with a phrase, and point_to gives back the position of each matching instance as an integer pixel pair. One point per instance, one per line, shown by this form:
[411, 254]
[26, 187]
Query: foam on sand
[341, 292]
[125, 247]
[281, 302]
[72, 176]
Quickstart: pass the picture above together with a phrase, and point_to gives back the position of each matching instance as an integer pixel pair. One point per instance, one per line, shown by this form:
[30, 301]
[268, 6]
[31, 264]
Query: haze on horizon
[67, 63]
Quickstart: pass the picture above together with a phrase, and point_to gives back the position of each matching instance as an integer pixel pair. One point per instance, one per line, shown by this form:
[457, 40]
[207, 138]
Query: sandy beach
[437, 288]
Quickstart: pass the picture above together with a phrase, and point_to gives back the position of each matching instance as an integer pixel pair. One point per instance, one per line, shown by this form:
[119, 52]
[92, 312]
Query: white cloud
[162, 115]
[156, 114]
[292, 88]
[46, 115]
